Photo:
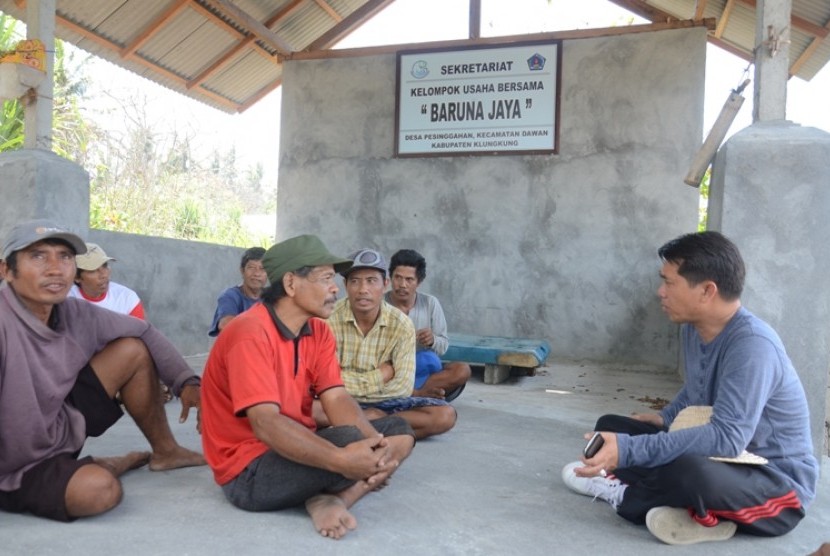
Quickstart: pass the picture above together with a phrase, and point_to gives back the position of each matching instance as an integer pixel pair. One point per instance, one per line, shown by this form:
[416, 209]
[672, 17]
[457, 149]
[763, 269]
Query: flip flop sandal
[454, 393]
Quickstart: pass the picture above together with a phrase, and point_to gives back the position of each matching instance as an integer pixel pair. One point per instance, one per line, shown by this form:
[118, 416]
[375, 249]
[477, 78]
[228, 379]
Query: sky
[255, 132]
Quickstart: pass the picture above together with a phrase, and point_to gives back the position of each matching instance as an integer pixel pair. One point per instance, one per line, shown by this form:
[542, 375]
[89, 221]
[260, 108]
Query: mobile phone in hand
[593, 445]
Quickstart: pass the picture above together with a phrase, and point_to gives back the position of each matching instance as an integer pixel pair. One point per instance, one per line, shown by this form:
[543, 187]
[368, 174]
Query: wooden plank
[496, 350]
[314, 52]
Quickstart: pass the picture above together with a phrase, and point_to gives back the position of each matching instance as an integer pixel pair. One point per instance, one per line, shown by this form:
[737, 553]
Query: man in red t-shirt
[260, 379]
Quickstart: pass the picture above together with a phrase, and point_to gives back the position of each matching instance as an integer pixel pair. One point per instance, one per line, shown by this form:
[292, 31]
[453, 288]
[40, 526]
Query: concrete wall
[770, 193]
[555, 246]
[178, 281]
[40, 184]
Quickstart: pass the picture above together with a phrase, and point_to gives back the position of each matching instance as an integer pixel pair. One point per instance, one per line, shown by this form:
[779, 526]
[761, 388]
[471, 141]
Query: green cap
[297, 252]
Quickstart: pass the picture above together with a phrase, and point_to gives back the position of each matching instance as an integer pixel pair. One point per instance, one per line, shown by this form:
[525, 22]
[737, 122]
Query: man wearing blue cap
[260, 380]
[62, 363]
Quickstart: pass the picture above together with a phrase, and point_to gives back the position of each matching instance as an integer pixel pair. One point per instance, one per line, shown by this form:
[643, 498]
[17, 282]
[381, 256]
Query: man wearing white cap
[92, 282]
[62, 363]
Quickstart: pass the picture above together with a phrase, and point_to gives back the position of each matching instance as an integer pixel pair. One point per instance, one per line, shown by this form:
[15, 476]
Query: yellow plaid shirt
[391, 339]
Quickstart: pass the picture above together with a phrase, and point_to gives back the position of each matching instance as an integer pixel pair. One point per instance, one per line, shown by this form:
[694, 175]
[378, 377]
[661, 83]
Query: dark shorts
[272, 482]
[43, 487]
[426, 363]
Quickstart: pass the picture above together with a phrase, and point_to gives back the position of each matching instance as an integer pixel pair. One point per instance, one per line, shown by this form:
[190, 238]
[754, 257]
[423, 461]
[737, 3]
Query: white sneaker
[676, 526]
[610, 490]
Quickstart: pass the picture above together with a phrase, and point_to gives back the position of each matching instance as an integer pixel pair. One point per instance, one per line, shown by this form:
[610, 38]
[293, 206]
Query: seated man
[238, 299]
[736, 363]
[376, 349]
[433, 378]
[260, 378]
[62, 362]
[92, 282]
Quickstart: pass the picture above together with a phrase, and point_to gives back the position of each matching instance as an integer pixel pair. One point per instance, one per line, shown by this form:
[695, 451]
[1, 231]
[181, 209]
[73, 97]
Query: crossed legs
[272, 482]
[440, 384]
[426, 421]
[330, 512]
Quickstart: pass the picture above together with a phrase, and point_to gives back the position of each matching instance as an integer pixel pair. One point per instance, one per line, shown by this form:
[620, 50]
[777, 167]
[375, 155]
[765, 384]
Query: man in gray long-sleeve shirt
[734, 362]
[433, 378]
[62, 363]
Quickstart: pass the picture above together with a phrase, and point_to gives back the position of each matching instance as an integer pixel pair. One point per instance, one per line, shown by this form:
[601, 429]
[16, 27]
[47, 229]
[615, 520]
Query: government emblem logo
[536, 62]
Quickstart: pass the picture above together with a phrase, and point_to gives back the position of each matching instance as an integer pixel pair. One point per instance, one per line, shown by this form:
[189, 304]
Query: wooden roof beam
[172, 11]
[708, 23]
[645, 10]
[799, 23]
[700, 7]
[251, 38]
[205, 74]
[260, 94]
[349, 24]
[723, 20]
[329, 10]
[255, 26]
[808, 52]
[71, 26]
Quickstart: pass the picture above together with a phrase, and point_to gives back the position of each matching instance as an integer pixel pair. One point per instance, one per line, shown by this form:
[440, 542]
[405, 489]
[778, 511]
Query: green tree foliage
[11, 124]
[146, 180]
[703, 208]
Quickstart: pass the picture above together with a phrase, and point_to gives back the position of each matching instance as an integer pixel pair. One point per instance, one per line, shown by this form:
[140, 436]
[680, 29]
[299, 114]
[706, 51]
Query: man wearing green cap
[259, 383]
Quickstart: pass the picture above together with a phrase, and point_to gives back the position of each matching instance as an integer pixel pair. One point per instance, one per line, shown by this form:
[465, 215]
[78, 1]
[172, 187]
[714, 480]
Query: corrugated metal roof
[228, 53]
[225, 53]
[809, 47]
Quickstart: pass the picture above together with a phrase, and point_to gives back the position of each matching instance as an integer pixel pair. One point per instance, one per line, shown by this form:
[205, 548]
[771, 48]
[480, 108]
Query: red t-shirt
[251, 363]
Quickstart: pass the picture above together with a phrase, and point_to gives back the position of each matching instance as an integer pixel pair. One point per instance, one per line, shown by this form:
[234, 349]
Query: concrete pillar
[770, 194]
[40, 184]
[40, 24]
[772, 39]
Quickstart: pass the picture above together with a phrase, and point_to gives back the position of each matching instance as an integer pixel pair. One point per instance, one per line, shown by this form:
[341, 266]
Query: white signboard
[488, 100]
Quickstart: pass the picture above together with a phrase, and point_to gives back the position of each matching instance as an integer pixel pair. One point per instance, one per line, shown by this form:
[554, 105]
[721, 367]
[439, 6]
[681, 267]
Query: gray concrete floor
[490, 486]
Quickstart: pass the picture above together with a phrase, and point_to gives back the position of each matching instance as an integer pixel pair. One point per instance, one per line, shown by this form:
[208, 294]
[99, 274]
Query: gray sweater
[39, 366]
[428, 313]
[758, 405]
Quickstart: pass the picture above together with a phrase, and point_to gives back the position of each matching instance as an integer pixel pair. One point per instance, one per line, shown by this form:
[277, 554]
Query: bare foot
[330, 516]
[178, 457]
[118, 465]
[430, 393]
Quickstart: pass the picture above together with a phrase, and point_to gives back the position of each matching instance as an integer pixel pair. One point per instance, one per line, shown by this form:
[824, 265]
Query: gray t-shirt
[427, 313]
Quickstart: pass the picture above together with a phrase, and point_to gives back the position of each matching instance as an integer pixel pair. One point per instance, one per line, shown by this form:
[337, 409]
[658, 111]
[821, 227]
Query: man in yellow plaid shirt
[376, 350]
